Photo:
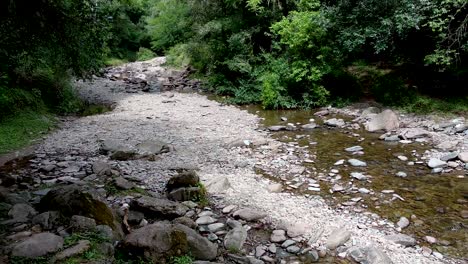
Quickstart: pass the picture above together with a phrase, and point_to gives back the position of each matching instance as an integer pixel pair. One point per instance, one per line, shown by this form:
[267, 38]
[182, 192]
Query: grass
[425, 105]
[202, 197]
[182, 260]
[21, 129]
[111, 189]
[114, 61]
[92, 253]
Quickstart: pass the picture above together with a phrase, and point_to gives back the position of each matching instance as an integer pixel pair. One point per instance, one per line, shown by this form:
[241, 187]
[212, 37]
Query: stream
[432, 202]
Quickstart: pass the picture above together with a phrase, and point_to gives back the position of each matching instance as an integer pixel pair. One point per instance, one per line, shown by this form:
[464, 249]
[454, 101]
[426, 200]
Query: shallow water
[435, 199]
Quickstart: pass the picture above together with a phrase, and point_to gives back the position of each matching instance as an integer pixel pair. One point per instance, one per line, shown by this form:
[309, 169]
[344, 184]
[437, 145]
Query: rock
[135, 217]
[337, 188]
[401, 174]
[101, 168]
[310, 126]
[370, 111]
[198, 246]
[162, 208]
[186, 222]
[312, 256]
[216, 227]
[358, 176]
[463, 156]
[436, 163]
[276, 128]
[249, 214]
[288, 243]
[21, 212]
[205, 220]
[38, 245]
[278, 236]
[449, 156]
[354, 149]
[123, 184]
[75, 200]
[464, 214]
[81, 247]
[337, 238]
[295, 230]
[81, 223]
[183, 179]
[387, 120]
[368, 255]
[150, 148]
[106, 232]
[334, 122]
[275, 188]
[430, 240]
[185, 194]
[228, 209]
[293, 249]
[403, 222]
[47, 220]
[413, 133]
[357, 163]
[392, 138]
[322, 112]
[402, 239]
[235, 239]
[218, 185]
[364, 190]
[447, 145]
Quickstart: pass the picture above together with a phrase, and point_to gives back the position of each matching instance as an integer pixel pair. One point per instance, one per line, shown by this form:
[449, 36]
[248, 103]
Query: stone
[135, 217]
[106, 232]
[358, 176]
[276, 128]
[463, 156]
[235, 239]
[288, 243]
[81, 247]
[403, 222]
[233, 223]
[76, 200]
[101, 168]
[185, 194]
[21, 212]
[436, 163]
[38, 245]
[447, 145]
[293, 249]
[47, 220]
[215, 227]
[430, 240]
[312, 256]
[387, 120]
[82, 223]
[357, 163]
[354, 149]
[401, 174]
[278, 236]
[198, 246]
[275, 188]
[218, 185]
[310, 126]
[150, 148]
[260, 251]
[337, 238]
[185, 221]
[449, 156]
[123, 184]
[464, 214]
[249, 214]
[370, 111]
[228, 209]
[295, 230]
[162, 208]
[368, 255]
[392, 138]
[334, 122]
[402, 239]
[183, 179]
[413, 133]
[205, 220]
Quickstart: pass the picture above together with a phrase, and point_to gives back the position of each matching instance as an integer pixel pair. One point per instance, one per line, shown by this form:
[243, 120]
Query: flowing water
[434, 200]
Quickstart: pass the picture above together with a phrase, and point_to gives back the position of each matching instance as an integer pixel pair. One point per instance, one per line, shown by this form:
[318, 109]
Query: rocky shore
[167, 175]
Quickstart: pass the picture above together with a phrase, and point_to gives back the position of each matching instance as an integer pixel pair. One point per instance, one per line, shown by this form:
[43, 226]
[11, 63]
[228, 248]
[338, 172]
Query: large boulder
[75, 200]
[235, 239]
[161, 240]
[183, 179]
[38, 245]
[159, 208]
[387, 120]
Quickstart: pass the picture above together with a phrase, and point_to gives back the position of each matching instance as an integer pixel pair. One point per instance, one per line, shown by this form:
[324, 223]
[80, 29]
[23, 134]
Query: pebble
[430, 240]
[402, 158]
[401, 174]
[228, 209]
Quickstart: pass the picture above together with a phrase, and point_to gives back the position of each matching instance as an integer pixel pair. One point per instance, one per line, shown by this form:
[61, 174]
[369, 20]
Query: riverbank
[225, 145]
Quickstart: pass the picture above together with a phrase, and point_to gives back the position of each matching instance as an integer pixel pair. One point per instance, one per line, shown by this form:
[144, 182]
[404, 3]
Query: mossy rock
[74, 200]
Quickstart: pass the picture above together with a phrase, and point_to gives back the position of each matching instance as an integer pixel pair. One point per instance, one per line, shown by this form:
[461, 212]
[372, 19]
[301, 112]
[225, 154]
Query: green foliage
[23, 260]
[181, 260]
[145, 54]
[20, 130]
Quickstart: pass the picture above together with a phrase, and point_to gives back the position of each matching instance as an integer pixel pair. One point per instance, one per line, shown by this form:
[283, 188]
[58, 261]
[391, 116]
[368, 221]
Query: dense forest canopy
[279, 53]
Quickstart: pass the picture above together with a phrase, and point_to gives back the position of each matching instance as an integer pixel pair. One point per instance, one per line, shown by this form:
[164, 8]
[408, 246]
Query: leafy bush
[145, 54]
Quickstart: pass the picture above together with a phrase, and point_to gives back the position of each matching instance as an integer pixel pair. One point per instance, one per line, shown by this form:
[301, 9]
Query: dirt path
[212, 137]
